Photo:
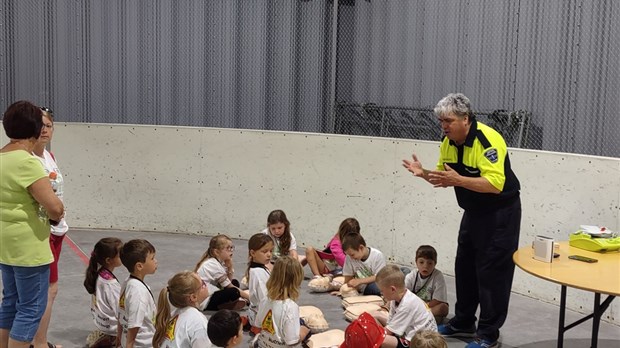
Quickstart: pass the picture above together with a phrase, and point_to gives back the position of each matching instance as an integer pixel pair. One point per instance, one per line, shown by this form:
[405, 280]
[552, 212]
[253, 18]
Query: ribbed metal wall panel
[266, 63]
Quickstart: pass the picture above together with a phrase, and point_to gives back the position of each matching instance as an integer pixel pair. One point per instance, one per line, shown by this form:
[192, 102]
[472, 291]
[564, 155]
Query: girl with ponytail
[179, 323]
[105, 289]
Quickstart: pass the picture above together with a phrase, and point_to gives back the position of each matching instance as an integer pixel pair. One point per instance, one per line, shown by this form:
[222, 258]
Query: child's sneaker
[447, 330]
[482, 343]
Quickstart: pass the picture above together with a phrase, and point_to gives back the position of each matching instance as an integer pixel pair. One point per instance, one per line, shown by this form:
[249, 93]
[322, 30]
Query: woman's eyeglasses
[230, 248]
[46, 109]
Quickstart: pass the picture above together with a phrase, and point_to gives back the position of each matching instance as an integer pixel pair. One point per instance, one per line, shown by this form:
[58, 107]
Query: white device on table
[543, 248]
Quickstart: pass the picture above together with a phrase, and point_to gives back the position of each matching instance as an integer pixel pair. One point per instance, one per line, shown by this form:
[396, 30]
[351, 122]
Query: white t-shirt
[136, 308]
[277, 252]
[216, 276]
[431, 288]
[49, 164]
[279, 323]
[104, 302]
[409, 316]
[186, 328]
[257, 287]
[364, 269]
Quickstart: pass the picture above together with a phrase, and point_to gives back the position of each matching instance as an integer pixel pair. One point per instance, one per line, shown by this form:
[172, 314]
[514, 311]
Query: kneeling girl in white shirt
[179, 323]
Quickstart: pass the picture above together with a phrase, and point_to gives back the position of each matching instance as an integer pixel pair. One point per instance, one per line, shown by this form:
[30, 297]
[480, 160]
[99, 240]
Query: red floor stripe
[76, 249]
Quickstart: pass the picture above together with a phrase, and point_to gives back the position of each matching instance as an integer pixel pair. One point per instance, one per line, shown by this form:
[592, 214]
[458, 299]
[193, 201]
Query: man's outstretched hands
[414, 166]
[445, 178]
[438, 178]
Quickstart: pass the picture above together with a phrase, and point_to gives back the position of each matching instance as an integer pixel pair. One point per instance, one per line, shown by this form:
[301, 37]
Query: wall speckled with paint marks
[209, 181]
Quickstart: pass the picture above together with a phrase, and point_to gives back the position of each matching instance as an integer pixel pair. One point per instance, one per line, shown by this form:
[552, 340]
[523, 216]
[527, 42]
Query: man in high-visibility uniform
[474, 160]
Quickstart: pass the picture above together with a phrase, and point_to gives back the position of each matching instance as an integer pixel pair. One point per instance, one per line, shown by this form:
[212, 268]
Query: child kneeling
[408, 313]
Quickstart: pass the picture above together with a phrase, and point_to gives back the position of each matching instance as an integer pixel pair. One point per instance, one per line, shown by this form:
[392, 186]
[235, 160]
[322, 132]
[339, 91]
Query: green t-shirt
[24, 237]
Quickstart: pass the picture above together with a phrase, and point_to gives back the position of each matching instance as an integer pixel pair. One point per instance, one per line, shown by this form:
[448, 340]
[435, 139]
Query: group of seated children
[126, 315]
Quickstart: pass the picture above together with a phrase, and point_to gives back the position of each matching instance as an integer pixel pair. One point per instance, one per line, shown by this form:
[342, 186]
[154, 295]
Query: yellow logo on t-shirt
[268, 323]
[121, 300]
[170, 327]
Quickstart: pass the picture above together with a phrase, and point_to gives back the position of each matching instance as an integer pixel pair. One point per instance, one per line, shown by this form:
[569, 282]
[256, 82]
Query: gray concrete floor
[530, 324]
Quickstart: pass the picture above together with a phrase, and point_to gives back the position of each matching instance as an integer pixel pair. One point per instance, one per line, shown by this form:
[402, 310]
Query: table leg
[596, 319]
[562, 314]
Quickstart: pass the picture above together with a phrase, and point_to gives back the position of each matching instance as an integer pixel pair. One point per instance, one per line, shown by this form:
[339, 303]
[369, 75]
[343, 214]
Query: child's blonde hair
[285, 279]
[428, 339]
[391, 275]
[216, 243]
[180, 287]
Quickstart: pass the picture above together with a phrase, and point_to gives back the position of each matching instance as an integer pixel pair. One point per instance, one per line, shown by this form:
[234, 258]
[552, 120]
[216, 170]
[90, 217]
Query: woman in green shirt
[25, 254]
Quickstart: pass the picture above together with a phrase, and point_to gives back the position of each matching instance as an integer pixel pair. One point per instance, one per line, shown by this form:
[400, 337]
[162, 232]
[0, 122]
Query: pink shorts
[55, 246]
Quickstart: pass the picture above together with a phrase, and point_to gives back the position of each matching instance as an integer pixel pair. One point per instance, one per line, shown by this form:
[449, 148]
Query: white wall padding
[209, 181]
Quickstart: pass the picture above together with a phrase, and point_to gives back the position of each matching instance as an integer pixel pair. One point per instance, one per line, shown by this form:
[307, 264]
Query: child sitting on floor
[215, 268]
[259, 253]
[361, 264]
[279, 229]
[225, 329]
[408, 313]
[428, 282]
[179, 323]
[331, 259]
[278, 314]
[428, 339]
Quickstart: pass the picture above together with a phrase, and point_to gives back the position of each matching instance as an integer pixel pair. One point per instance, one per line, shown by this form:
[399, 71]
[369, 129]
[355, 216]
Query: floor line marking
[77, 250]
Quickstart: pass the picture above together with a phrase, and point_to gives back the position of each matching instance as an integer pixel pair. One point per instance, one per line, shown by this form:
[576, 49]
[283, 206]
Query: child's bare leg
[313, 260]
[390, 342]
[440, 310]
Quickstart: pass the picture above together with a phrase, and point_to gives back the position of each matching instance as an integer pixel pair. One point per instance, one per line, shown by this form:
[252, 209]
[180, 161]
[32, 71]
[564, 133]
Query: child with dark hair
[361, 264]
[331, 259]
[225, 329]
[284, 242]
[260, 247]
[136, 305]
[428, 282]
[105, 289]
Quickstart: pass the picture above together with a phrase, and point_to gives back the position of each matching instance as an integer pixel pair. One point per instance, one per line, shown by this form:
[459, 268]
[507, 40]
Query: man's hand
[446, 178]
[414, 166]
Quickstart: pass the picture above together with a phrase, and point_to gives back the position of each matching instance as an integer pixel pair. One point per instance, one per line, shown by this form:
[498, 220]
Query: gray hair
[454, 103]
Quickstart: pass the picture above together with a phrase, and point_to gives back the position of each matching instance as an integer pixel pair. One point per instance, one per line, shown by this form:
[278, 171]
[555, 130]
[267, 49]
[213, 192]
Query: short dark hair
[223, 326]
[427, 252]
[353, 241]
[134, 251]
[22, 120]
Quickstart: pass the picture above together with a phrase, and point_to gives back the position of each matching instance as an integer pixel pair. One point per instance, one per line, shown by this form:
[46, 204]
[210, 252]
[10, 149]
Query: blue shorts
[372, 289]
[24, 298]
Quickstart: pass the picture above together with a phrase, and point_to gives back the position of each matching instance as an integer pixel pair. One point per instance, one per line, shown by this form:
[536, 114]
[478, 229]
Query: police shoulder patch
[491, 155]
